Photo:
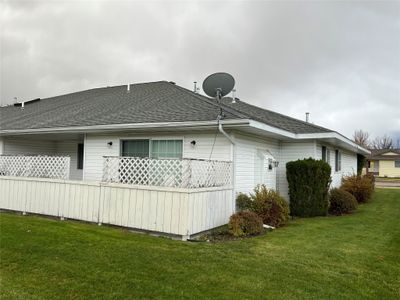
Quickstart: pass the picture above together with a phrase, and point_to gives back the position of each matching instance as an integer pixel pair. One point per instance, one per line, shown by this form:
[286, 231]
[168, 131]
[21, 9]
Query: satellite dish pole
[216, 86]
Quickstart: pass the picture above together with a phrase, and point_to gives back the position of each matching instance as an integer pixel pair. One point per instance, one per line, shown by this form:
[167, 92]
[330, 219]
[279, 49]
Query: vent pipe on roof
[128, 88]
[195, 86]
[22, 105]
[307, 117]
[233, 96]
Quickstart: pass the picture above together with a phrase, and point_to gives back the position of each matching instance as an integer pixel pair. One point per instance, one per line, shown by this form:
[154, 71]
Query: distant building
[384, 163]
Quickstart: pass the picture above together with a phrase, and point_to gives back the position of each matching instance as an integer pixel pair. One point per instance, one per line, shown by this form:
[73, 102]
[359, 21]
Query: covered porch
[53, 145]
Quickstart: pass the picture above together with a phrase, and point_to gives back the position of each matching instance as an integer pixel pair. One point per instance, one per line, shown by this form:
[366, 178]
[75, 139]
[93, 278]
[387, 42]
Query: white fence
[56, 167]
[184, 173]
[169, 210]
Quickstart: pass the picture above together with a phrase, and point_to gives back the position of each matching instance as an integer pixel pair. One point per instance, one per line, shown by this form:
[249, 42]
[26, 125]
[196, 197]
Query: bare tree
[361, 138]
[382, 142]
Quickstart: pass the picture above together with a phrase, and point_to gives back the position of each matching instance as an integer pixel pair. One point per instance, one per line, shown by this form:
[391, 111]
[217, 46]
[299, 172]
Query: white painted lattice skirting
[56, 167]
[183, 173]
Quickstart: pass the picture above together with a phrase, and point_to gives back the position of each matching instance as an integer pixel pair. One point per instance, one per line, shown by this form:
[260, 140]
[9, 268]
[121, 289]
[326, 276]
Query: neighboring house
[384, 163]
[161, 120]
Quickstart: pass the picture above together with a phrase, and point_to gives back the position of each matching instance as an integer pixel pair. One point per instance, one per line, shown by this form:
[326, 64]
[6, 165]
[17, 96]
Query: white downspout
[224, 133]
[233, 172]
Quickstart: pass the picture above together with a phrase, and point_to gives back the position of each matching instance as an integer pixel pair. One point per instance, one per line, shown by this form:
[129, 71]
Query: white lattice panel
[186, 173]
[56, 167]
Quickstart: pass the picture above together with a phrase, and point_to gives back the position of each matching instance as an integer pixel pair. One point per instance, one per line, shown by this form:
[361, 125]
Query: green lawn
[350, 257]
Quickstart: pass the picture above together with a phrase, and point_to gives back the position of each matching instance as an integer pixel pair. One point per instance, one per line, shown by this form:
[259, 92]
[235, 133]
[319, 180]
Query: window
[80, 157]
[166, 149]
[135, 148]
[153, 148]
[338, 161]
[397, 163]
[324, 153]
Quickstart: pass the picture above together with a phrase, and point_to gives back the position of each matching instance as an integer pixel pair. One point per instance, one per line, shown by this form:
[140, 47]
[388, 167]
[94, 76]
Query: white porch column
[1, 145]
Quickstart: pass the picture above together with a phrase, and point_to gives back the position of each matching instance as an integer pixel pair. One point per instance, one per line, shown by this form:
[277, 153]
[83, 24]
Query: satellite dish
[218, 85]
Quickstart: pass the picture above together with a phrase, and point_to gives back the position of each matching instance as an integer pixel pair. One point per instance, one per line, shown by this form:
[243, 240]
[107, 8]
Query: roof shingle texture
[155, 102]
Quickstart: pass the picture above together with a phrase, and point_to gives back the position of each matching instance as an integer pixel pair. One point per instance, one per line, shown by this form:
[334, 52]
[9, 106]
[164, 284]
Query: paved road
[387, 183]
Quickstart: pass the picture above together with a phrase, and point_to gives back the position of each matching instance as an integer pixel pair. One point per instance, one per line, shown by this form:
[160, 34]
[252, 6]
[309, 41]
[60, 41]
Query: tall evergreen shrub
[309, 181]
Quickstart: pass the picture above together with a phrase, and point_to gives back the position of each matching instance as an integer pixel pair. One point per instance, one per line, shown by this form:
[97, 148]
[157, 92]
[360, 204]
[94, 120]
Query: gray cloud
[338, 60]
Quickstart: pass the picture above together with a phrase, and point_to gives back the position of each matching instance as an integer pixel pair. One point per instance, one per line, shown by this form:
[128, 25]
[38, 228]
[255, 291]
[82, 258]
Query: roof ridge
[95, 88]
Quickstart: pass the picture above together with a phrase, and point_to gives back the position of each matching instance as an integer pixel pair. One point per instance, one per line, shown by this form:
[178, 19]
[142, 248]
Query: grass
[350, 257]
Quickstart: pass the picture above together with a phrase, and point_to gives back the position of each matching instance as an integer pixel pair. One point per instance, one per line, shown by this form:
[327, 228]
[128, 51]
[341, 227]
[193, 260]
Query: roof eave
[122, 127]
[349, 144]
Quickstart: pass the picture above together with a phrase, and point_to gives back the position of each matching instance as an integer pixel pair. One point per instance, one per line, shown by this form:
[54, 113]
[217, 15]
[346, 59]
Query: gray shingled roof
[153, 102]
[380, 154]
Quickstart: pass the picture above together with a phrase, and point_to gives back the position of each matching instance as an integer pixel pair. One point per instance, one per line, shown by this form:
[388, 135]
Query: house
[384, 163]
[166, 127]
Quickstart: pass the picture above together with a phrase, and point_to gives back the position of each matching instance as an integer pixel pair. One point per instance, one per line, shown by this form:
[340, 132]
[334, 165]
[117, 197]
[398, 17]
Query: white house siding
[349, 163]
[96, 146]
[290, 152]
[21, 146]
[70, 148]
[248, 169]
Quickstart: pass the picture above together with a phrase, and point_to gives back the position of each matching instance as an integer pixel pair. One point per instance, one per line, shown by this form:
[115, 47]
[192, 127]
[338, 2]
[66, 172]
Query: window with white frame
[171, 149]
[338, 161]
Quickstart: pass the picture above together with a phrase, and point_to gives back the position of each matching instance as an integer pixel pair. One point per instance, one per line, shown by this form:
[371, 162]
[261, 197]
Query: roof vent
[22, 104]
[307, 117]
[233, 96]
[171, 82]
[128, 88]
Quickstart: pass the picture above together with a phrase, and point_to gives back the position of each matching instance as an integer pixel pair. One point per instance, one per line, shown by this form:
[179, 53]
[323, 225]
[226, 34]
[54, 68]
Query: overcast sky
[340, 61]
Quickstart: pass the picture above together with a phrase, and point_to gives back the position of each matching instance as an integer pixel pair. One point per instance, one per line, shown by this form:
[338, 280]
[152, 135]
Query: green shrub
[361, 187]
[270, 206]
[341, 202]
[245, 223]
[309, 181]
[243, 202]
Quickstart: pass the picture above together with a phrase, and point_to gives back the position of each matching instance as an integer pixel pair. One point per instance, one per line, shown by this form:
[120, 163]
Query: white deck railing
[56, 167]
[184, 173]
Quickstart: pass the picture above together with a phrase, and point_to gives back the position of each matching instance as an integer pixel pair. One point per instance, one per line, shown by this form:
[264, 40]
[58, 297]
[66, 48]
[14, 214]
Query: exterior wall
[21, 146]
[289, 152]
[96, 146]
[169, 210]
[387, 168]
[249, 168]
[70, 148]
[349, 163]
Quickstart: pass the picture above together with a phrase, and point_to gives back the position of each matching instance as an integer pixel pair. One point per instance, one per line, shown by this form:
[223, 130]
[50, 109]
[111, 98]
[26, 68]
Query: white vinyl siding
[97, 146]
[250, 164]
[23, 146]
[70, 148]
[291, 151]
[348, 164]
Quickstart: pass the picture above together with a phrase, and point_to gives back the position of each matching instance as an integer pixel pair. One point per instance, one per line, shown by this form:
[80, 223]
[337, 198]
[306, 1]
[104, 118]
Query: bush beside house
[267, 204]
[361, 187]
[309, 182]
[341, 202]
[245, 223]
